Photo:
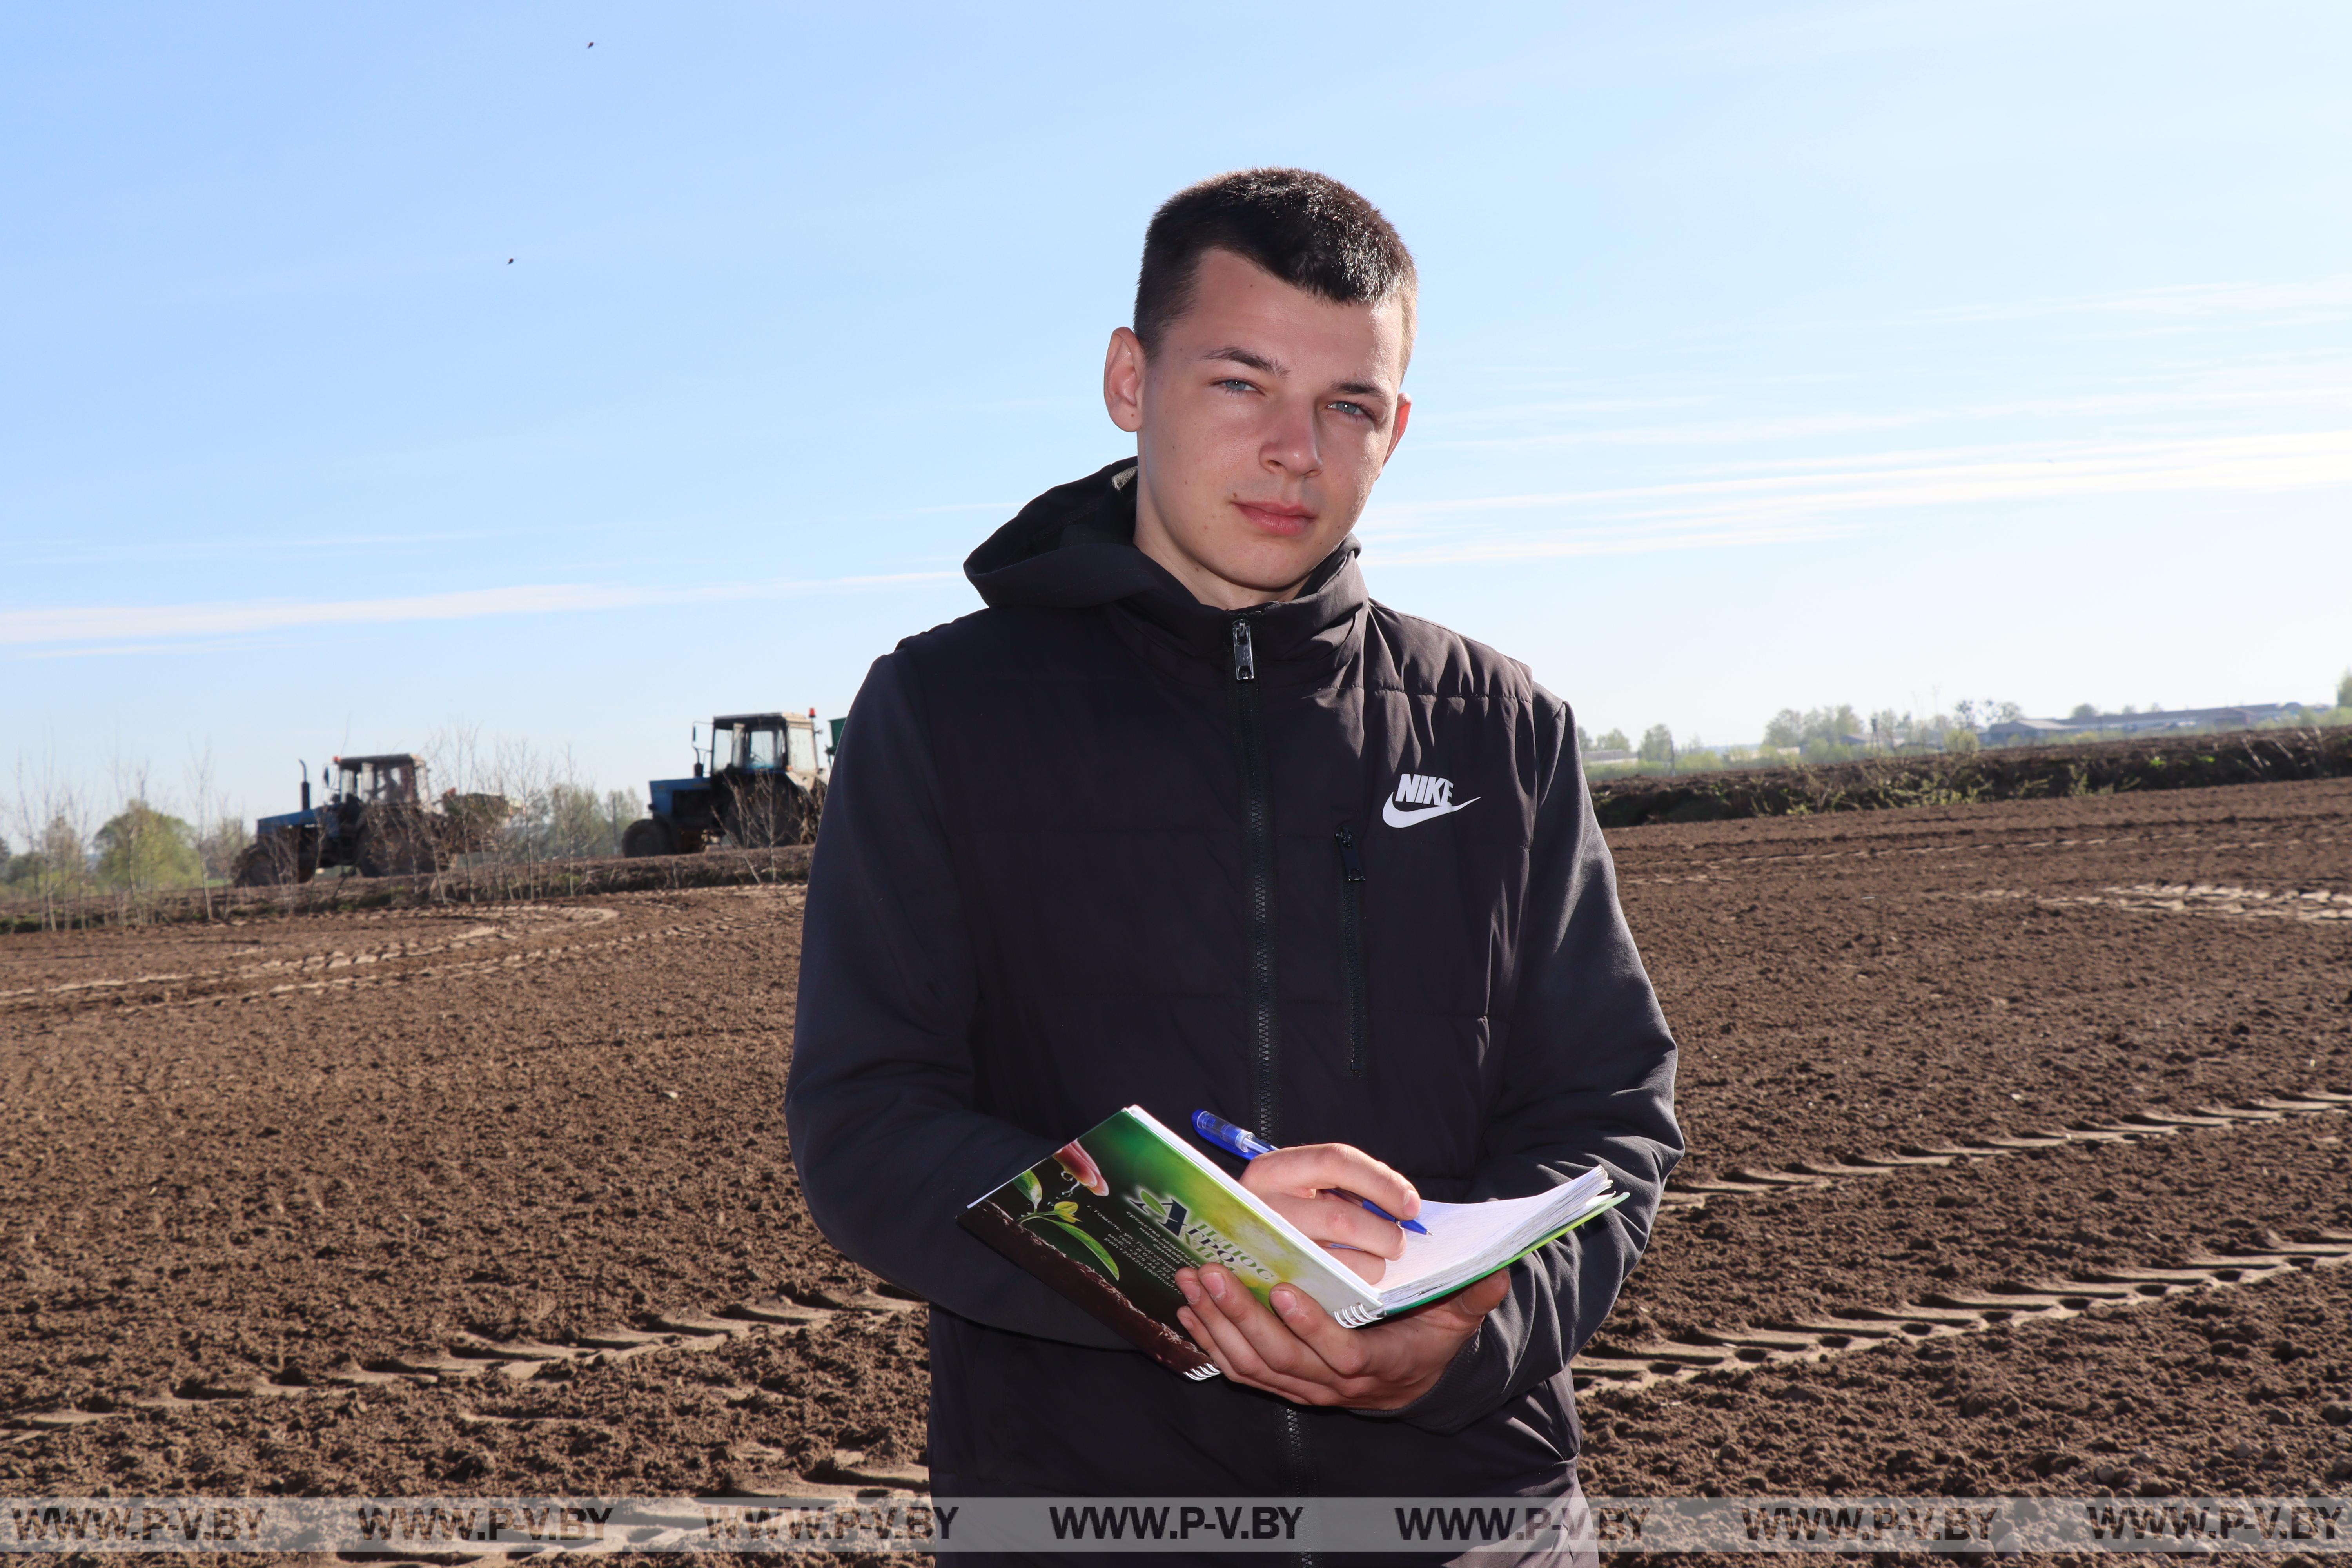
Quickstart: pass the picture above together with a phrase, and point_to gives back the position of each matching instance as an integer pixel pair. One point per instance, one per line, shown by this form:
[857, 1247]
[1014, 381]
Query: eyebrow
[1256, 362]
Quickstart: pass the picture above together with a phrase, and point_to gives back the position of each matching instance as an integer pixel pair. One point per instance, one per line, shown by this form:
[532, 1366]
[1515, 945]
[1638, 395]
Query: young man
[1183, 818]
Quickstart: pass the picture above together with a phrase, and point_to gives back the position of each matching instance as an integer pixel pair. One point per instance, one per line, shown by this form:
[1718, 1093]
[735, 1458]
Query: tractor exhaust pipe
[305, 789]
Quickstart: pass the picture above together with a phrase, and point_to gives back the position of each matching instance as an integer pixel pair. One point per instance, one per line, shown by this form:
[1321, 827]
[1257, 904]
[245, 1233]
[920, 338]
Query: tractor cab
[764, 742]
[394, 779]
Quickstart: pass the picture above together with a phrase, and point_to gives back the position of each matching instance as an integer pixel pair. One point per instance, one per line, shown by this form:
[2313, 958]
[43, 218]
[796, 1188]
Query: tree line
[143, 848]
[1841, 733]
[57, 843]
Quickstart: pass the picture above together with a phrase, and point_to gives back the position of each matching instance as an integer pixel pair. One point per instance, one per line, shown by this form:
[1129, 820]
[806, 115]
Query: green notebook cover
[1111, 1216]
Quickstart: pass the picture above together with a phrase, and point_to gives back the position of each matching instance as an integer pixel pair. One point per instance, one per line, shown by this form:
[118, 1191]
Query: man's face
[1260, 423]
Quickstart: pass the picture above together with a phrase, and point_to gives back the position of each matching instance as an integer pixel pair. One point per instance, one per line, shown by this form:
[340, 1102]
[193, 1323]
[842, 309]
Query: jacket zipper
[1258, 869]
[1264, 1039]
[1351, 950]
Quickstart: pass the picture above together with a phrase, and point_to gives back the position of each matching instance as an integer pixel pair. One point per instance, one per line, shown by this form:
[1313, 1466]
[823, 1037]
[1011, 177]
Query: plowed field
[2018, 1165]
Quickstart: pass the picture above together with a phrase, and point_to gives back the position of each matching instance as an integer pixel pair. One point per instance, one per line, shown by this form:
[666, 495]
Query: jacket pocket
[1351, 949]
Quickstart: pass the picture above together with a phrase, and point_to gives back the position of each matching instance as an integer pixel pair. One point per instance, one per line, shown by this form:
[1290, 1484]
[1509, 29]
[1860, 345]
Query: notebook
[1113, 1213]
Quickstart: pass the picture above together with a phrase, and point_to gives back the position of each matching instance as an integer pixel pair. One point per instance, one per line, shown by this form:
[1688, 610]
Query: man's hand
[1304, 1355]
[1298, 1184]
[1296, 1350]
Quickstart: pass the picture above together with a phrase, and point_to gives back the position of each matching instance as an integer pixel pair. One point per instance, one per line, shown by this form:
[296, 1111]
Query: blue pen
[1249, 1146]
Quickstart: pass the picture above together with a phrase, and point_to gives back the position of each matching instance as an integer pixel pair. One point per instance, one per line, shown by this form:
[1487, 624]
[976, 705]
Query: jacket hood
[1073, 548]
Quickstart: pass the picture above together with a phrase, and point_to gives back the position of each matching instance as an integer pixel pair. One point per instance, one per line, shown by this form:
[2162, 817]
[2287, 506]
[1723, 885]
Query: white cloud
[1780, 502]
[2327, 297]
[1790, 502]
[1795, 427]
[78, 549]
[1608, 542]
[73, 624]
[2325, 389]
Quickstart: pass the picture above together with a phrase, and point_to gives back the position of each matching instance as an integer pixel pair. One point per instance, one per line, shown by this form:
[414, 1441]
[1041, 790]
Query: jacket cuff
[1453, 1401]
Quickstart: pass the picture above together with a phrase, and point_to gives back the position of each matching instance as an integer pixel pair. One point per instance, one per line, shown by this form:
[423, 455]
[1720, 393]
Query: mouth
[1283, 520]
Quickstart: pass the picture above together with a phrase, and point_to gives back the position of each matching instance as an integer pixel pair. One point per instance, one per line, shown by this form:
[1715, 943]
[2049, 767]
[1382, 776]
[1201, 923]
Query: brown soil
[259, 1169]
[2172, 1385]
[291, 1148]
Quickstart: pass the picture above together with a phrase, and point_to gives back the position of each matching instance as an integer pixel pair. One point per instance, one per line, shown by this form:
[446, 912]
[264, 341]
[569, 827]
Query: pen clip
[1234, 1140]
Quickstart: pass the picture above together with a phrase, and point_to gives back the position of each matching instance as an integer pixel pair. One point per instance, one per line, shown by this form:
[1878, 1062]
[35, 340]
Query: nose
[1290, 446]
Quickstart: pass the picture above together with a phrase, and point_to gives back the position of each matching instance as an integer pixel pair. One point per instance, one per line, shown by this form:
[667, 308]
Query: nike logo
[1427, 795]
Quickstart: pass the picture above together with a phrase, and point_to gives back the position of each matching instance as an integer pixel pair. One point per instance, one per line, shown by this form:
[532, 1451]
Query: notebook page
[1472, 1238]
[1459, 1233]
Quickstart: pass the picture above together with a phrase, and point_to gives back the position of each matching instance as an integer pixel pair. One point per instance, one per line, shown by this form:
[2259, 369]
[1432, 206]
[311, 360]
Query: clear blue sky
[1771, 354]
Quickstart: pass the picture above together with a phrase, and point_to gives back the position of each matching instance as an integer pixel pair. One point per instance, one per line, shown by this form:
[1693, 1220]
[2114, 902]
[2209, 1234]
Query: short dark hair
[1305, 228]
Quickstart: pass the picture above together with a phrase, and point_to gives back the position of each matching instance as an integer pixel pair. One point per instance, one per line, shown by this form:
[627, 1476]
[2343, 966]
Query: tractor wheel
[814, 814]
[769, 811]
[756, 814]
[268, 861]
[390, 852]
[648, 836]
[274, 859]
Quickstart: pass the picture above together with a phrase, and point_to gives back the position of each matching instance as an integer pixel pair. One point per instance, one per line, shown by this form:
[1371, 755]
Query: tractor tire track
[1943, 1313]
[381, 968]
[1683, 1198]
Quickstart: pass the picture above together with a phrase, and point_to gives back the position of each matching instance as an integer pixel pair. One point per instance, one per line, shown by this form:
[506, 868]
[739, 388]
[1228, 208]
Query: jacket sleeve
[879, 1101]
[1588, 1078]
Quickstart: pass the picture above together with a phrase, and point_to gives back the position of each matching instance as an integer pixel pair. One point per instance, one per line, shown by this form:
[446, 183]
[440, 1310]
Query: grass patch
[1966, 778]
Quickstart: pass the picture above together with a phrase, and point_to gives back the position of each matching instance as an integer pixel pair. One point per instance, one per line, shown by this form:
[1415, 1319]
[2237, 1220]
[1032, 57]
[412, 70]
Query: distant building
[2030, 730]
[2016, 730]
[1591, 757]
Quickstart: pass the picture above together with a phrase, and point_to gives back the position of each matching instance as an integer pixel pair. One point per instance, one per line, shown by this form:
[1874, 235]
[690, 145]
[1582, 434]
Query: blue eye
[1358, 409]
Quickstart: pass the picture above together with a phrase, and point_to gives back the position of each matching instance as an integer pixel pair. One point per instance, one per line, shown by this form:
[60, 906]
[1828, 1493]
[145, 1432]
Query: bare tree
[204, 814]
[52, 813]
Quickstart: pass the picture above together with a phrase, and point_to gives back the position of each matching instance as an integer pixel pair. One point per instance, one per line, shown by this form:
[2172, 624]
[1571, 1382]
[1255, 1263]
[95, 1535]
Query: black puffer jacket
[1321, 867]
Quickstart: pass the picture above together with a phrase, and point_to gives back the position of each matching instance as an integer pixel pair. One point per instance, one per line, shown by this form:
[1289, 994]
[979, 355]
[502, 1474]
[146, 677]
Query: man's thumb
[1484, 1297]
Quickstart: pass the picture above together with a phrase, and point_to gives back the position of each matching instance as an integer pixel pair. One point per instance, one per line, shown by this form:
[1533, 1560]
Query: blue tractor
[380, 819]
[764, 784]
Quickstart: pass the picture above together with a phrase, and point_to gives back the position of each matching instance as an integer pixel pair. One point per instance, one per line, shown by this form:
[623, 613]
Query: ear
[1404, 418]
[1123, 380]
